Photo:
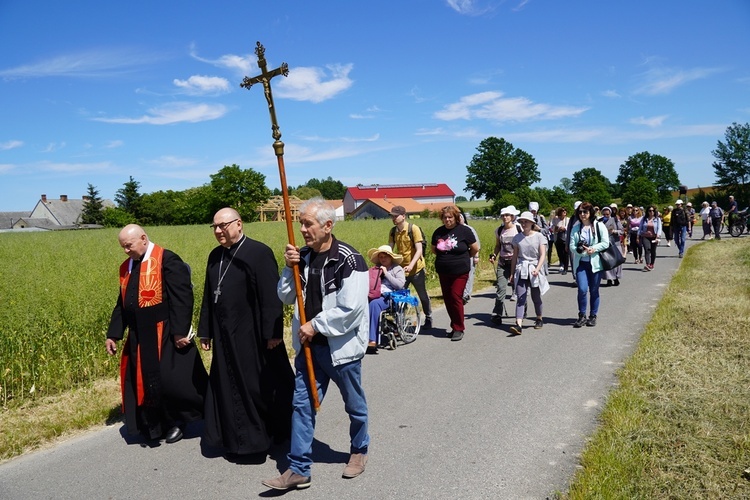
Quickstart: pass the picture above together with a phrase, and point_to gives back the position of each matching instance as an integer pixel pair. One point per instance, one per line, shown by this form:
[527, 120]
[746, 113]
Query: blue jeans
[680, 235]
[348, 378]
[588, 283]
[376, 307]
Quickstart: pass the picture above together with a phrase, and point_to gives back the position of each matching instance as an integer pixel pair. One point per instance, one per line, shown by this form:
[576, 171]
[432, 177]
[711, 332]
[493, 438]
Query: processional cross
[265, 79]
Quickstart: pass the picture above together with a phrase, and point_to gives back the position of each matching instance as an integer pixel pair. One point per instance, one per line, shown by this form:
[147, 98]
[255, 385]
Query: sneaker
[516, 329]
[538, 324]
[372, 348]
[646, 268]
[562, 269]
[617, 282]
[427, 323]
[609, 282]
[457, 335]
[650, 267]
[581, 321]
[680, 255]
[497, 319]
[450, 334]
[513, 297]
[288, 481]
[591, 321]
[565, 271]
[356, 465]
[669, 243]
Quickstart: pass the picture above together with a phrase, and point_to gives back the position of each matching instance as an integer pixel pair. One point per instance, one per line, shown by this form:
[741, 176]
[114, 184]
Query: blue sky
[387, 92]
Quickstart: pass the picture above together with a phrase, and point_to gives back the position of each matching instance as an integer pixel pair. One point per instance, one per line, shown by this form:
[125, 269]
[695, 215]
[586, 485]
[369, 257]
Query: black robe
[249, 399]
[175, 392]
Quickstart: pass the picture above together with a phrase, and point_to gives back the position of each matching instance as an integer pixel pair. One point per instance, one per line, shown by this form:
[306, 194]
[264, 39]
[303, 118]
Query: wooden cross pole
[265, 79]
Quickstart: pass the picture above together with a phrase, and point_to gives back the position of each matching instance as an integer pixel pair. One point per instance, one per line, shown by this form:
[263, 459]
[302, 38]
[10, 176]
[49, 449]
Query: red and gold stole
[149, 294]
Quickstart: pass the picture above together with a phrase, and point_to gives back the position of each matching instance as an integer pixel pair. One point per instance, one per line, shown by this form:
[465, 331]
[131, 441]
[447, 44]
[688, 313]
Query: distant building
[421, 193]
[50, 214]
[380, 208]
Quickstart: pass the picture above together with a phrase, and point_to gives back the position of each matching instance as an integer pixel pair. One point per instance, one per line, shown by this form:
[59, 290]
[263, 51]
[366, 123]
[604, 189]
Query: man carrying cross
[248, 402]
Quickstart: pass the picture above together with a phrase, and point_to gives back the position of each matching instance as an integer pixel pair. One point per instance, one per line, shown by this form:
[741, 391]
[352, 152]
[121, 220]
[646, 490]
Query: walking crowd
[252, 398]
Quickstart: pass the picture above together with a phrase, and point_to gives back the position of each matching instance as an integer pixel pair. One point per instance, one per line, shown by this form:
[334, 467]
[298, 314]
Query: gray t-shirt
[527, 247]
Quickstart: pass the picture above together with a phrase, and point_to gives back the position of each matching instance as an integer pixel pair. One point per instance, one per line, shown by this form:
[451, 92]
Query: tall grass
[57, 291]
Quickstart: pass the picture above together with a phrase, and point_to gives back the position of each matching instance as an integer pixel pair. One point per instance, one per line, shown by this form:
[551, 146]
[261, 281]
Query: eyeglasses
[222, 225]
[650, 209]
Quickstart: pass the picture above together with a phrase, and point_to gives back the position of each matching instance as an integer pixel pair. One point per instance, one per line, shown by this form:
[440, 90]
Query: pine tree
[92, 207]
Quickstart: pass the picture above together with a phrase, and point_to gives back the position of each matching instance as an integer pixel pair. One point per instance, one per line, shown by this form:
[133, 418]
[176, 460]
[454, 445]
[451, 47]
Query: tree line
[242, 189]
[498, 172]
[504, 174]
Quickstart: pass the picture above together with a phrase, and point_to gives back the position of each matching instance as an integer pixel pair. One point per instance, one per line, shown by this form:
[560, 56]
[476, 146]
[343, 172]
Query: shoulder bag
[611, 257]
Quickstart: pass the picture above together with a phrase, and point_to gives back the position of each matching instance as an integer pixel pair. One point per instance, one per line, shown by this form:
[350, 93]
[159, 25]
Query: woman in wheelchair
[389, 273]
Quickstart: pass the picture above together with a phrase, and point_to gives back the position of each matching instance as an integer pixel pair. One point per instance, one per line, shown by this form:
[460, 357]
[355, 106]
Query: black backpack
[411, 237]
[678, 216]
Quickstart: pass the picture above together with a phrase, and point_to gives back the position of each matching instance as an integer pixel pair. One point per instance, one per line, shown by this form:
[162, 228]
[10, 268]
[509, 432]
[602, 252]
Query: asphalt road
[491, 416]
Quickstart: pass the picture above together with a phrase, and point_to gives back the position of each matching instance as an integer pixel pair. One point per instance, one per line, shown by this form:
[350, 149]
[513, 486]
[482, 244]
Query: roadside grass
[677, 425]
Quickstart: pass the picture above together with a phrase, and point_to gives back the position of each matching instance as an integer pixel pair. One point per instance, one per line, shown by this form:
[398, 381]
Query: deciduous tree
[240, 189]
[732, 167]
[656, 168]
[499, 168]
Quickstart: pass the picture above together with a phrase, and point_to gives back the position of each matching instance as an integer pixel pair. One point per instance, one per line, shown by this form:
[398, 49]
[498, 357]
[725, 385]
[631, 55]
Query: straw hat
[373, 254]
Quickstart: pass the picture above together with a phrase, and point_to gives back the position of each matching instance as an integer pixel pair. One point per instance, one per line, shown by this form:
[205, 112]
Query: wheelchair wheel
[736, 229]
[408, 320]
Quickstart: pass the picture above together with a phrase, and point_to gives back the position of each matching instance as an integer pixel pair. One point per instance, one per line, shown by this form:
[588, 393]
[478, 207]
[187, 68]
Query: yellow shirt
[403, 246]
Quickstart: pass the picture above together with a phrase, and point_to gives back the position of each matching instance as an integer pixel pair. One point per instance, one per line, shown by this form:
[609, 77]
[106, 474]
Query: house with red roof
[425, 194]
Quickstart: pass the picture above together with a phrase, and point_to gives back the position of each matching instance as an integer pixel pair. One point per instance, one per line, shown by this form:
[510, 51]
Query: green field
[57, 291]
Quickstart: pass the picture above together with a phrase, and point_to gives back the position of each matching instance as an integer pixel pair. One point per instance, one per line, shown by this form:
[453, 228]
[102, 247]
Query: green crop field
[57, 291]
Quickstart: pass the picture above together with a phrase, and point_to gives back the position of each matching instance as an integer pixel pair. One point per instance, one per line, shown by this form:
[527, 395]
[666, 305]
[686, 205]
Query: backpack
[373, 292]
[678, 216]
[411, 237]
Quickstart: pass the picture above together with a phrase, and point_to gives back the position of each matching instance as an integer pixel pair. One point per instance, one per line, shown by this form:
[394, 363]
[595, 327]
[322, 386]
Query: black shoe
[173, 435]
[457, 335]
[450, 334]
[617, 282]
[497, 319]
[427, 323]
[516, 329]
[591, 321]
[609, 282]
[581, 321]
[538, 324]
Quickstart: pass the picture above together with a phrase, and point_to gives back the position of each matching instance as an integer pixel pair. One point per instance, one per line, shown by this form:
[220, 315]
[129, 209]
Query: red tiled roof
[400, 191]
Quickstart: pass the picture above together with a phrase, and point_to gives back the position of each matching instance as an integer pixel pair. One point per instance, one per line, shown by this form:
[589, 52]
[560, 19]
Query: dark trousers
[649, 249]
[453, 286]
[418, 280]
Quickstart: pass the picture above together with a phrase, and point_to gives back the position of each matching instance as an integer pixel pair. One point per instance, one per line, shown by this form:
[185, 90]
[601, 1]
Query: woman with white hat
[503, 254]
[587, 238]
[527, 270]
[392, 277]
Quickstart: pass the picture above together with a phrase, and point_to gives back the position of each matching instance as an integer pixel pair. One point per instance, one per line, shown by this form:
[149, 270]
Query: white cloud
[664, 80]
[53, 146]
[611, 93]
[493, 107]
[93, 63]
[474, 7]
[174, 113]
[654, 121]
[200, 85]
[241, 64]
[6, 167]
[13, 144]
[314, 84]
[71, 168]
[114, 144]
[170, 161]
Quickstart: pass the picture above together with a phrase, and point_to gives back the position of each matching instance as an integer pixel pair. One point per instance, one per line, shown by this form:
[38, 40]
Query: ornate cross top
[265, 78]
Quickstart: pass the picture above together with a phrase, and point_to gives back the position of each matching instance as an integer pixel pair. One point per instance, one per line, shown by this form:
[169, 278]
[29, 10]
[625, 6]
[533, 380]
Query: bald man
[249, 399]
[163, 379]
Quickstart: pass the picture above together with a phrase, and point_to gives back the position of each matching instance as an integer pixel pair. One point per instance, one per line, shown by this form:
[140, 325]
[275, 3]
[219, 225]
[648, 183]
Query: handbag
[374, 290]
[611, 257]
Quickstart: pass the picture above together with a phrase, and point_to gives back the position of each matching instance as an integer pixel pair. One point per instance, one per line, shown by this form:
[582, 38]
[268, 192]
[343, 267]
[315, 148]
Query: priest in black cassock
[161, 373]
[251, 382]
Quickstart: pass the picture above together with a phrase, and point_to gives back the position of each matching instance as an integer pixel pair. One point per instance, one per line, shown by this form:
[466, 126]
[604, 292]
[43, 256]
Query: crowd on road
[251, 398]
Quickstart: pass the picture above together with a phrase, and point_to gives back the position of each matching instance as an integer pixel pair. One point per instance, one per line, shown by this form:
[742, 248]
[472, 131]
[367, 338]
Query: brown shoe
[356, 465]
[288, 481]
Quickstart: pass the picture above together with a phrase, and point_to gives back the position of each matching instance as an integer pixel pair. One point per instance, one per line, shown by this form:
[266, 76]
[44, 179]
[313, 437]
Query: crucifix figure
[265, 79]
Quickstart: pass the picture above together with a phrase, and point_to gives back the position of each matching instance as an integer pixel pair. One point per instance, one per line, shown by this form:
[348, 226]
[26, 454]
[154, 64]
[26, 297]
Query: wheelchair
[401, 320]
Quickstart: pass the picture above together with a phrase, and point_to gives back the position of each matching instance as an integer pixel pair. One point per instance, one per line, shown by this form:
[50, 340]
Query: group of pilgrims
[253, 398]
